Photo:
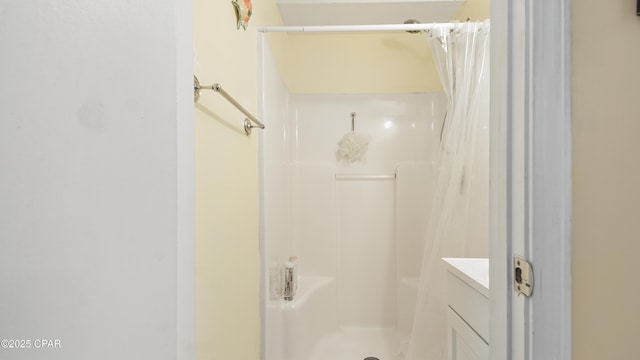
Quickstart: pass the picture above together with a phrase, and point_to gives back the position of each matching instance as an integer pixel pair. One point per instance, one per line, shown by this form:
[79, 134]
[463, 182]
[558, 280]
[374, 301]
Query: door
[96, 180]
[530, 178]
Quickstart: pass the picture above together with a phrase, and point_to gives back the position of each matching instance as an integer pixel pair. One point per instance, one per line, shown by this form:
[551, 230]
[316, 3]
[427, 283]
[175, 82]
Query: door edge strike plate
[522, 276]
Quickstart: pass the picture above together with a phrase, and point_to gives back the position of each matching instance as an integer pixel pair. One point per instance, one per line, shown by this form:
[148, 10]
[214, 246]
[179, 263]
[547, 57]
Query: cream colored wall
[606, 172]
[366, 63]
[226, 182]
[360, 63]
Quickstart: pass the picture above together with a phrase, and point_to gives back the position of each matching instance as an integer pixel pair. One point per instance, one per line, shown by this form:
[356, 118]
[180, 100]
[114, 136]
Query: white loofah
[352, 147]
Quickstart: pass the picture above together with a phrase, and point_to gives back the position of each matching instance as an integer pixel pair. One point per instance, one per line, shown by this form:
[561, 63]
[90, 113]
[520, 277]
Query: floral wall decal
[243, 12]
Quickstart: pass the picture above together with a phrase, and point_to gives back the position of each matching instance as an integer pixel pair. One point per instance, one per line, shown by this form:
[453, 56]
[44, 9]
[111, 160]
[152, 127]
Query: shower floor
[360, 343]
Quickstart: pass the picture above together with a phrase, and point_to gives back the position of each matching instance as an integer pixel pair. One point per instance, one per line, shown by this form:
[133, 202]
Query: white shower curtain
[462, 59]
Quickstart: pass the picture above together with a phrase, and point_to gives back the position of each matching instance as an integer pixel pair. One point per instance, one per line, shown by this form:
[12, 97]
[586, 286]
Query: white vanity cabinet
[468, 310]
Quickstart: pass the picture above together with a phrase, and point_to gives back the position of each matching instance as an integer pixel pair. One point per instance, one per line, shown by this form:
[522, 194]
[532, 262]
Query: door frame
[531, 177]
[185, 200]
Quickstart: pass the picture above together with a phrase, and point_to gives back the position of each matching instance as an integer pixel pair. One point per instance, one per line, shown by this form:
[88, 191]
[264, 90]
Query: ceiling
[365, 12]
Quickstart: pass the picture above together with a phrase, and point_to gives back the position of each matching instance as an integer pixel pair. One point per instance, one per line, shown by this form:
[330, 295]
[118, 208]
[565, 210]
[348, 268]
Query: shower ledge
[307, 285]
[365, 12]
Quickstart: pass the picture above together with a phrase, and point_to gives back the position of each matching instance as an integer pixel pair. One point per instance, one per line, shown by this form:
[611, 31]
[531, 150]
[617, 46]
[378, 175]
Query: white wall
[96, 152]
[275, 199]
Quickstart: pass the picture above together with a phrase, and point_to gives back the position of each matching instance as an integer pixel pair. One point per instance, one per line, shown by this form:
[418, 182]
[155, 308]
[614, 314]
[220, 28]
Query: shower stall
[357, 226]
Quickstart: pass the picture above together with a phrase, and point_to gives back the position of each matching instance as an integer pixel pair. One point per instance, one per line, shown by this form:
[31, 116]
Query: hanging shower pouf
[352, 147]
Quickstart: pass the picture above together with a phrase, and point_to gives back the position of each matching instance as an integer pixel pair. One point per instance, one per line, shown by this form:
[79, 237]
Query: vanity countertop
[473, 271]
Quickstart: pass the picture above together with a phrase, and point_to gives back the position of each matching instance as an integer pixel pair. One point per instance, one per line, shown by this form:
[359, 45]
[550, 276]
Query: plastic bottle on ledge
[294, 260]
[287, 291]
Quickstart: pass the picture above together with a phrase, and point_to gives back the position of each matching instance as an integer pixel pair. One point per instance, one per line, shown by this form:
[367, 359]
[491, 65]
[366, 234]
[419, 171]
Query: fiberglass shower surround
[356, 228]
[362, 231]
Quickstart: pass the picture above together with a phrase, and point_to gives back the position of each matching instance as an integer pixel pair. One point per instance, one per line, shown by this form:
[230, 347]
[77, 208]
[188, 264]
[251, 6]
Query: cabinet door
[463, 342]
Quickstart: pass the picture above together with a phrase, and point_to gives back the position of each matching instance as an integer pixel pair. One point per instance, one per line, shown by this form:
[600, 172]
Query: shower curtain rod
[356, 28]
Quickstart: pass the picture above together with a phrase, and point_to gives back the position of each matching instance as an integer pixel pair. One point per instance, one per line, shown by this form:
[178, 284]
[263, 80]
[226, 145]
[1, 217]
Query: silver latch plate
[522, 276]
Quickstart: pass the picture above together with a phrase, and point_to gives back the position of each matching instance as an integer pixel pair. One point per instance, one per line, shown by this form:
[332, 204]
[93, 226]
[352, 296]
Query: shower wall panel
[366, 253]
[275, 202]
[414, 193]
[400, 127]
[351, 228]
[275, 172]
[415, 185]
[314, 219]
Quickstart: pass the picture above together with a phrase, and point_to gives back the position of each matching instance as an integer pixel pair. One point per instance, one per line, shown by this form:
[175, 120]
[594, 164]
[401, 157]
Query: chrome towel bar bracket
[197, 88]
